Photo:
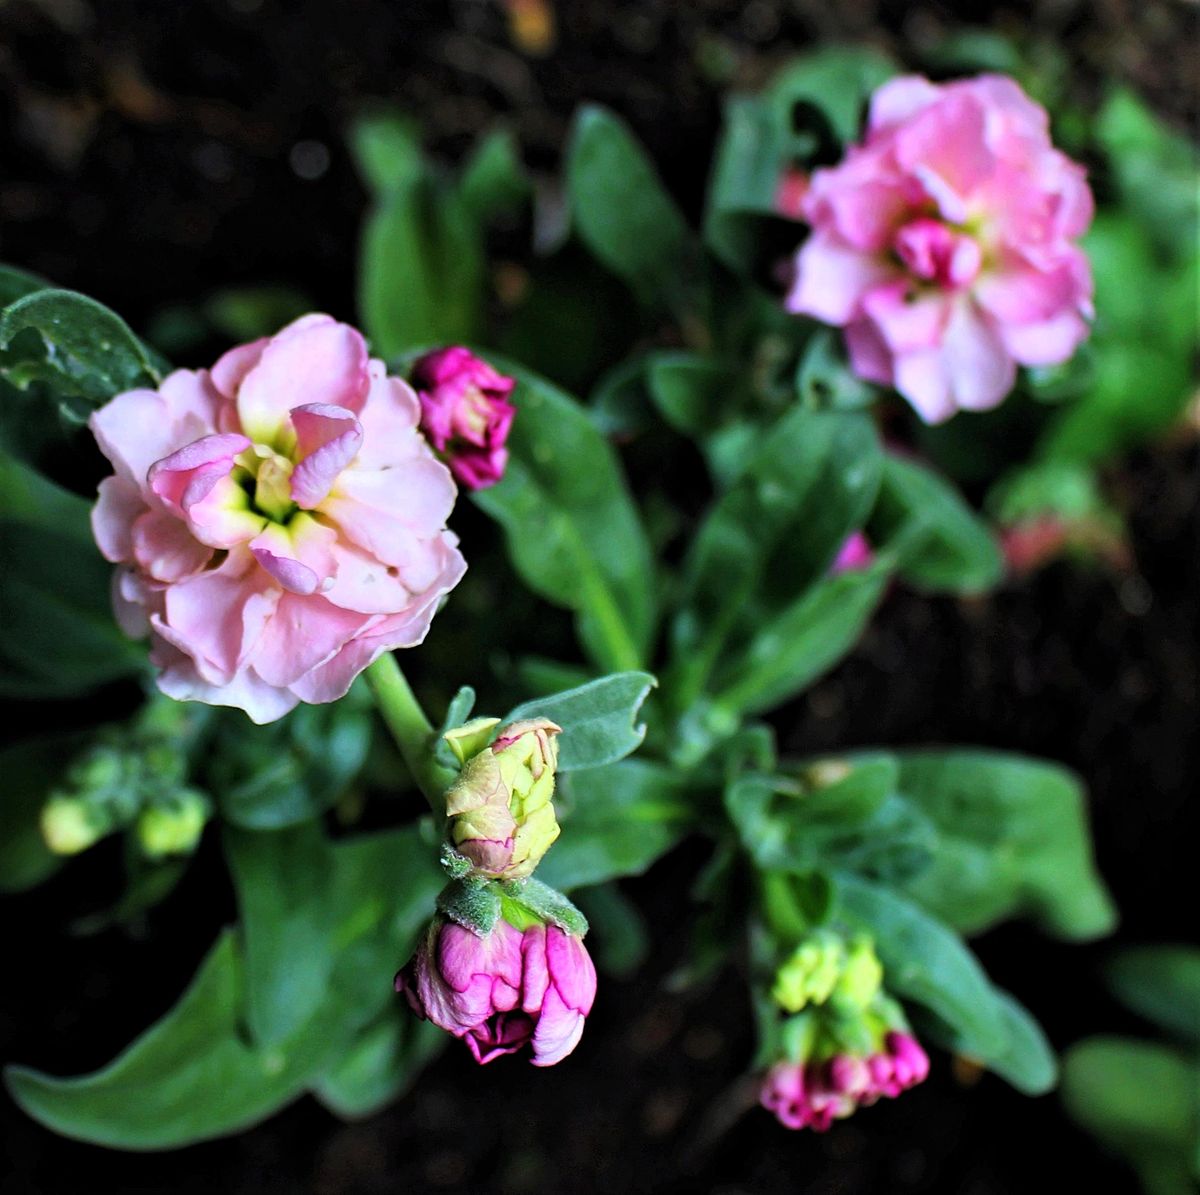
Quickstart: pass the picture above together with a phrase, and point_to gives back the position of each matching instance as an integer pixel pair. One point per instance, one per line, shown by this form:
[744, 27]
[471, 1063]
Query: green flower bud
[811, 973]
[501, 815]
[862, 975]
[173, 826]
[71, 825]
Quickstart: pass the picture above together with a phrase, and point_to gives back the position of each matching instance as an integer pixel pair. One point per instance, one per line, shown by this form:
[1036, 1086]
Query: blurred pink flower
[466, 414]
[945, 244]
[504, 989]
[280, 520]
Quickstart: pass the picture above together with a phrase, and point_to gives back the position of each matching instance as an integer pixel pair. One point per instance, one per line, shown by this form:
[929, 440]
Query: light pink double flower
[279, 519]
[945, 244]
[503, 990]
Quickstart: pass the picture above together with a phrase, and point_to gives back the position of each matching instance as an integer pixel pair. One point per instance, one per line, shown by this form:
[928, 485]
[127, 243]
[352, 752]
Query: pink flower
[812, 1095]
[279, 520]
[466, 414]
[946, 244]
[503, 990]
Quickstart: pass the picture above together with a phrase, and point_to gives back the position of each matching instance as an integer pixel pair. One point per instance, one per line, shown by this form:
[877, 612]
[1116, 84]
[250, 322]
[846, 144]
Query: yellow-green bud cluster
[500, 807]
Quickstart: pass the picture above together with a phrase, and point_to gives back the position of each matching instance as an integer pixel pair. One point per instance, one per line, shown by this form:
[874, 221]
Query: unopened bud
[173, 826]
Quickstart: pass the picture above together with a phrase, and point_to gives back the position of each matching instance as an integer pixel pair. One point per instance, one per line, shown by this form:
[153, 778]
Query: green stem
[411, 729]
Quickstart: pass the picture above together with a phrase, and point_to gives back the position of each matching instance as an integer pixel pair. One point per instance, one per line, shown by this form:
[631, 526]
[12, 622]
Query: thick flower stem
[410, 728]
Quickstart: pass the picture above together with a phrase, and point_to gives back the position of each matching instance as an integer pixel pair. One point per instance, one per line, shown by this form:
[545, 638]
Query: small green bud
[811, 973]
[173, 826]
[862, 974]
[470, 738]
[500, 810]
[70, 825]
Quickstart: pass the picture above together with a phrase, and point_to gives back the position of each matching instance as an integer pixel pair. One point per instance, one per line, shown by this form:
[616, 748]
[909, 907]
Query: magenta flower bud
[910, 1063]
[783, 1094]
[855, 553]
[503, 990]
[465, 413]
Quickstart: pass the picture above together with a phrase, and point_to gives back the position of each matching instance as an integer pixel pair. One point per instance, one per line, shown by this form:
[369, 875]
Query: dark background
[155, 151]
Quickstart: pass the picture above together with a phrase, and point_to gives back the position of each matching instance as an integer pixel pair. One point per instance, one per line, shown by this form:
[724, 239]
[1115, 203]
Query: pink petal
[908, 319]
[262, 702]
[944, 146]
[557, 1032]
[315, 360]
[327, 438]
[831, 278]
[118, 504]
[232, 368]
[302, 634]
[217, 617]
[390, 418]
[189, 474]
[898, 99]
[870, 357]
[165, 548]
[1047, 343]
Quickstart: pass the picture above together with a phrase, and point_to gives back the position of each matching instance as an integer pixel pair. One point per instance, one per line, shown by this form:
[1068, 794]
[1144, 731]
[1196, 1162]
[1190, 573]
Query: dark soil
[155, 151]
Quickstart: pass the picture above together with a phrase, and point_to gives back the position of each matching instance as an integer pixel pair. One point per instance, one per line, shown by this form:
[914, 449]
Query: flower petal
[314, 360]
[327, 439]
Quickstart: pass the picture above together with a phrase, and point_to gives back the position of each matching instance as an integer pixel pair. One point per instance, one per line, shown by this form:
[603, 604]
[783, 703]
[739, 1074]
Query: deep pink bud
[910, 1063]
[465, 413]
[855, 553]
[504, 989]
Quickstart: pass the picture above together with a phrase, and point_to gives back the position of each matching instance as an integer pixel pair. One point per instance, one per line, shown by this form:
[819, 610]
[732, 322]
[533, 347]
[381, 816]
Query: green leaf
[623, 214]
[421, 264]
[946, 546]
[803, 641]
[1141, 1100]
[572, 530]
[616, 821]
[245, 313]
[805, 111]
[1162, 984]
[283, 882]
[88, 352]
[58, 636]
[1014, 840]
[38, 502]
[1143, 347]
[30, 770]
[824, 380]
[811, 480]
[381, 1063]
[598, 720]
[928, 964]
[620, 942]
[268, 777]
[188, 1078]
[1155, 170]
[494, 183]
[15, 284]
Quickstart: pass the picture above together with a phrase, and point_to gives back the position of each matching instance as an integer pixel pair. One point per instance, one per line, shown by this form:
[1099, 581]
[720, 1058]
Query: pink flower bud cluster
[812, 1094]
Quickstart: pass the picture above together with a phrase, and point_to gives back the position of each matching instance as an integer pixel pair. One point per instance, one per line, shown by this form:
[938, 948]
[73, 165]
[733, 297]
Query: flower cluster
[946, 244]
[503, 964]
[812, 1095]
[846, 1044]
[279, 519]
